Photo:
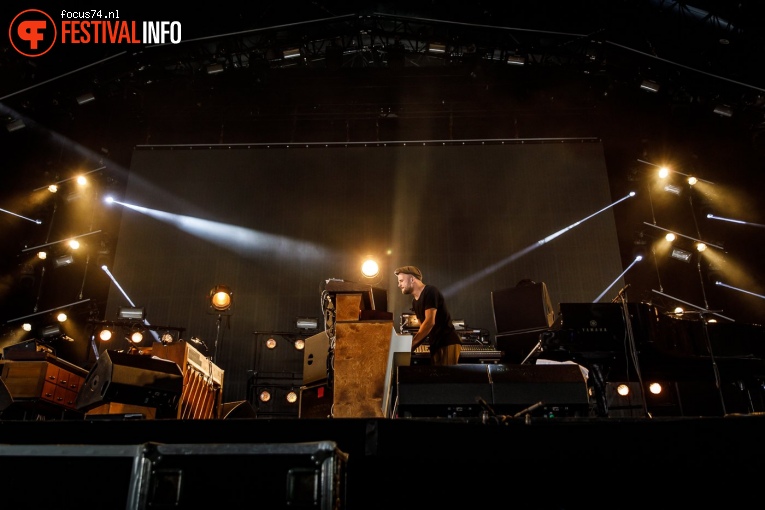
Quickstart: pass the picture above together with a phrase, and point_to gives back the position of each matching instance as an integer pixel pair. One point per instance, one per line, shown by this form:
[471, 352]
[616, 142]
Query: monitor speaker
[555, 389]
[442, 391]
[238, 409]
[525, 307]
[131, 379]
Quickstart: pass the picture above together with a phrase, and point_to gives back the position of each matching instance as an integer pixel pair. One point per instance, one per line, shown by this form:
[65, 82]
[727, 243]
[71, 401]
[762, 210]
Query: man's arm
[425, 327]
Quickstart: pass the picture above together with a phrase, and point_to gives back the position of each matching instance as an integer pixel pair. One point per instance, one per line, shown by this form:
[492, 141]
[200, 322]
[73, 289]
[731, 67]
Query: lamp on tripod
[221, 299]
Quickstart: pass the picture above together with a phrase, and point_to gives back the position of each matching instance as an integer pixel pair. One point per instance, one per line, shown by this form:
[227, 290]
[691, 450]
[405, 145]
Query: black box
[164, 476]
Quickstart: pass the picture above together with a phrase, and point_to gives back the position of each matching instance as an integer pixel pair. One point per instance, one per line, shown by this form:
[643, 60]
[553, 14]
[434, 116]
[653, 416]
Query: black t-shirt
[443, 332]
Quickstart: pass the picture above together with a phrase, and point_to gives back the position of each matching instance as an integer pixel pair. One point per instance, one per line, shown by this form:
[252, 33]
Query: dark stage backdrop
[274, 222]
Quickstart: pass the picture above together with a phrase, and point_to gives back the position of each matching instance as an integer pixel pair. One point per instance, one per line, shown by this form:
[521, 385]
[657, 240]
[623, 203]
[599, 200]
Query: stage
[387, 463]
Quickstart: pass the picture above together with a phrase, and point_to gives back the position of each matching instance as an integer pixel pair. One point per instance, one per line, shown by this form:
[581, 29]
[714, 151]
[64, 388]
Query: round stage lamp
[221, 298]
[370, 268]
[105, 334]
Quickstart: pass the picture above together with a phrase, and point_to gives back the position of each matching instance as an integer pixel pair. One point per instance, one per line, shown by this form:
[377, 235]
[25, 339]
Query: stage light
[105, 334]
[64, 260]
[623, 390]
[132, 313]
[42, 255]
[74, 244]
[51, 331]
[723, 110]
[291, 53]
[215, 68]
[655, 388]
[670, 237]
[53, 188]
[291, 397]
[15, 125]
[679, 254]
[88, 97]
[61, 317]
[650, 86]
[307, 323]
[700, 247]
[26, 327]
[167, 338]
[692, 180]
[221, 298]
[136, 335]
[516, 60]
[264, 396]
[663, 172]
[437, 48]
[271, 343]
[370, 268]
[299, 344]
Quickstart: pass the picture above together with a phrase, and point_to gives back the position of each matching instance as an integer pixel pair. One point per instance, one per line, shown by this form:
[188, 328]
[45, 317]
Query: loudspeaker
[442, 391]
[316, 401]
[315, 357]
[554, 390]
[522, 308]
[239, 409]
[131, 379]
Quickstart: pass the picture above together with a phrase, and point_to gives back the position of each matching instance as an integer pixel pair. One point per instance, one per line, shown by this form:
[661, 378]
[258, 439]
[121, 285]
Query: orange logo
[32, 33]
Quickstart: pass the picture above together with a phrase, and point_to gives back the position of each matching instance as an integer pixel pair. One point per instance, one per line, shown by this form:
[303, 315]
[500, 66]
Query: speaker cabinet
[131, 379]
[442, 391]
[522, 308]
[237, 410]
[550, 390]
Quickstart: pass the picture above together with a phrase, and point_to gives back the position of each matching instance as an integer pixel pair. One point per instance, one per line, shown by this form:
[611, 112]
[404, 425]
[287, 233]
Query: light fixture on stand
[221, 298]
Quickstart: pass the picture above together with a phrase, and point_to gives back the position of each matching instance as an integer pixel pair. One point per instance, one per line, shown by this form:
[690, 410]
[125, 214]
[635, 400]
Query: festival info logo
[33, 33]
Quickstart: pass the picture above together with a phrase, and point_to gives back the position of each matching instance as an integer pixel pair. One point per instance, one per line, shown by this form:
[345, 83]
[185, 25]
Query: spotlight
[51, 331]
[136, 336]
[64, 260]
[105, 334]
[723, 110]
[221, 297]
[85, 98]
[655, 388]
[264, 396]
[291, 53]
[299, 344]
[291, 397]
[15, 125]
[679, 254]
[271, 343]
[132, 313]
[670, 237]
[623, 390]
[437, 48]
[692, 180]
[53, 188]
[42, 255]
[516, 60]
[370, 268]
[26, 327]
[701, 247]
[650, 86]
[307, 323]
[167, 338]
[61, 317]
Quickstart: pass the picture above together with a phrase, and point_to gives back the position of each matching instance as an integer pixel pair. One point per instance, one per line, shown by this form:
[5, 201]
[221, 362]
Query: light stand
[221, 300]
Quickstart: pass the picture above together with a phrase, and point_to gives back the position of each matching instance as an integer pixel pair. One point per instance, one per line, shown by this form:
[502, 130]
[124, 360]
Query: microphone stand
[703, 312]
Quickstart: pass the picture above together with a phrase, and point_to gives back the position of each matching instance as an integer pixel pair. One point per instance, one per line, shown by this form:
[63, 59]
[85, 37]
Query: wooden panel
[361, 357]
[347, 307]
